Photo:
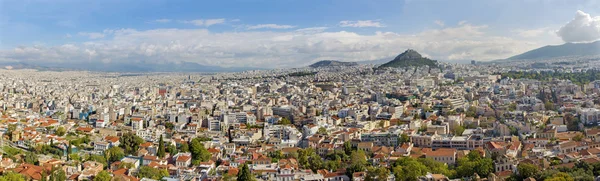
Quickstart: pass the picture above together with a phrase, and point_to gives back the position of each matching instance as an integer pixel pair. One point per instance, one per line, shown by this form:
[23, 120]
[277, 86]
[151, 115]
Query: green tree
[103, 176]
[459, 130]
[348, 147]
[31, 158]
[409, 169]
[472, 111]
[61, 131]
[11, 129]
[512, 107]
[184, 147]
[527, 170]
[358, 162]
[171, 149]
[98, 158]
[11, 176]
[560, 176]
[58, 175]
[199, 153]
[322, 130]
[161, 148]
[115, 154]
[549, 105]
[333, 165]
[152, 173]
[169, 125]
[474, 163]
[403, 138]
[578, 137]
[227, 177]
[377, 173]
[285, 121]
[244, 174]
[130, 143]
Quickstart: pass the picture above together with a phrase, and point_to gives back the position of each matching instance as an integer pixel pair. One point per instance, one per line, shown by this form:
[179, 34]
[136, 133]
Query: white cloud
[162, 20]
[205, 22]
[270, 26]
[531, 33]
[439, 23]
[361, 23]
[91, 35]
[583, 28]
[271, 49]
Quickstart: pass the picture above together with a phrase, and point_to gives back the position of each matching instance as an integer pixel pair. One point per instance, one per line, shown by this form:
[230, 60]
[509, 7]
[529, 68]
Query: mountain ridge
[332, 63]
[125, 67]
[564, 50]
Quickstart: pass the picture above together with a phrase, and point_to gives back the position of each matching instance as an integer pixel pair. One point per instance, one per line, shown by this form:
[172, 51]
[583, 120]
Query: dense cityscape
[479, 121]
[300, 90]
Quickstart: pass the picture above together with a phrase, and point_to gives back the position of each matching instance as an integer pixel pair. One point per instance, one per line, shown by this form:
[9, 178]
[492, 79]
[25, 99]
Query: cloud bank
[361, 23]
[583, 28]
[270, 49]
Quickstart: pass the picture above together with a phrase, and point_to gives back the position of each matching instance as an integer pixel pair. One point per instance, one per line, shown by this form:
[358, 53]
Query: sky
[286, 33]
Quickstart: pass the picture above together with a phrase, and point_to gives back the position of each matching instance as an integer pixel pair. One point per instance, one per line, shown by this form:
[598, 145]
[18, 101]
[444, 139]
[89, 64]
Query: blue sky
[274, 33]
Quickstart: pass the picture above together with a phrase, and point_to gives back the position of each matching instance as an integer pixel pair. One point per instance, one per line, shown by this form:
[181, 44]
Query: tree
[115, 154]
[161, 148]
[322, 130]
[169, 125]
[227, 177]
[358, 162]
[512, 107]
[409, 169]
[474, 163]
[130, 143]
[333, 165]
[103, 176]
[152, 173]
[549, 105]
[11, 129]
[199, 153]
[171, 149]
[348, 147]
[471, 111]
[126, 165]
[244, 174]
[60, 131]
[58, 175]
[459, 130]
[184, 147]
[578, 137]
[31, 158]
[98, 158]
[377, 173]
[560, 176]
[285, 121]
[11, 176]
[527, 170]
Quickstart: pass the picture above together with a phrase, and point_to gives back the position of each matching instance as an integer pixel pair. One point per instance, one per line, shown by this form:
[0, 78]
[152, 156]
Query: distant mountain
[332, 63]
[567, 49]
[375, 62]
[125, 67]
[410, 58]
